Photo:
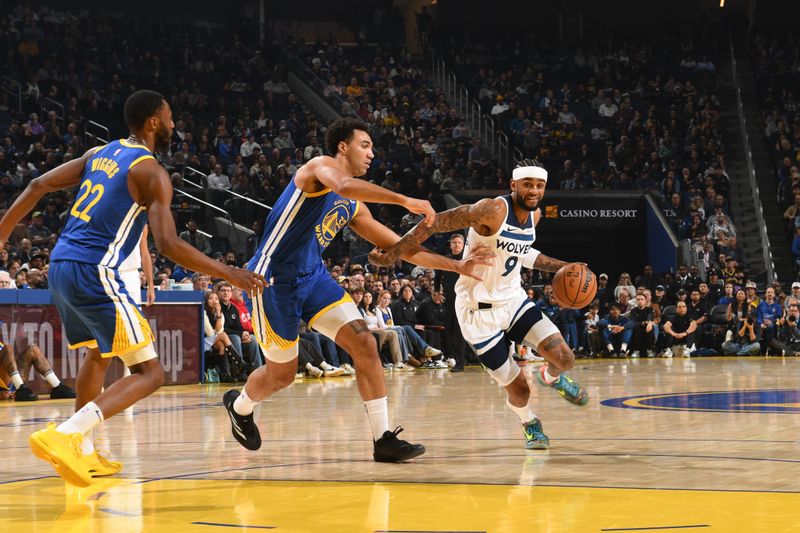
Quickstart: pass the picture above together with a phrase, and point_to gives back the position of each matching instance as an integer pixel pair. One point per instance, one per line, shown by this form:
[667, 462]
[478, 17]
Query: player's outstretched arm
[481, 213]
[62, 177]
[373, 231]
[357, 189]
[155, 190]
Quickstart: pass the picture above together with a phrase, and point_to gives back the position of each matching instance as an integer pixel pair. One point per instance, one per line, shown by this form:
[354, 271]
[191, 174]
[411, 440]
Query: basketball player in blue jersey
[121, 186]
[323, 197]
[496, 312]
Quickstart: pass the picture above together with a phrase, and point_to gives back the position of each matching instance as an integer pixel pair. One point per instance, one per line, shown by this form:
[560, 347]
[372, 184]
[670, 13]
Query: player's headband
[529, 172]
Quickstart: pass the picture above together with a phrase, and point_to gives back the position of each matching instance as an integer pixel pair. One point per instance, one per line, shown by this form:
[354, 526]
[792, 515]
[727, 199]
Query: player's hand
[421, 207]
[481, 255]
[151, 296]
[250, 282]
[380, 258]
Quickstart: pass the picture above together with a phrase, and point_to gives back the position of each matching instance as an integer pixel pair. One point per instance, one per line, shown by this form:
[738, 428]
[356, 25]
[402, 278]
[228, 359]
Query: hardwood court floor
[703, 445]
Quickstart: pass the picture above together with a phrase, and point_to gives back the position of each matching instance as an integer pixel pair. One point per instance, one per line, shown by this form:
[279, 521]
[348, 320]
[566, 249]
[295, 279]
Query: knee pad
[139, 356]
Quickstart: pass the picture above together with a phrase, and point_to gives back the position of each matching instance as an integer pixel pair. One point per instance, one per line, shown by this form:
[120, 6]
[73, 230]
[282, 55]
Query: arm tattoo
[459, 217]
[547, 264]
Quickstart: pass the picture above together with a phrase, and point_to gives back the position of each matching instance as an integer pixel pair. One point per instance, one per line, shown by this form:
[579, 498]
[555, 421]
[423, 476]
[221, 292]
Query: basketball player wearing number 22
[495, 312]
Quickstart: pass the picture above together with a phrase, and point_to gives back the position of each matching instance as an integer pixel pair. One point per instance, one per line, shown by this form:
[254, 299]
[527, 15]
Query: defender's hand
[247, 280]
[481, 255]
[421, 207]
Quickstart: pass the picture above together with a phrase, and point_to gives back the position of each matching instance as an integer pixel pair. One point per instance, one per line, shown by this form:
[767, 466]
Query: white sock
[87, 446]
[85, 419]
[549, 378]
[51, 378]
[378, 413]
[243, 405]
[525, 413]
[610, 347]
[16, 379]
[624, 347]
[325, 366]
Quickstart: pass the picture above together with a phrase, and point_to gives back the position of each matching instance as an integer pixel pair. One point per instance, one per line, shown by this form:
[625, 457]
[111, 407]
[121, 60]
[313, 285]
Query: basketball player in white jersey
[496, 312]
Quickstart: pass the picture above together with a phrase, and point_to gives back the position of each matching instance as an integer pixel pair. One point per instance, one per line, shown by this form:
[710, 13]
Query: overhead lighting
[721, 3]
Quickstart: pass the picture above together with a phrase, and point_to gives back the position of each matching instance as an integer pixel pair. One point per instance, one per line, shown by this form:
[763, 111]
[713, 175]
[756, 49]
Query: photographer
[742, 338]
[787, 339]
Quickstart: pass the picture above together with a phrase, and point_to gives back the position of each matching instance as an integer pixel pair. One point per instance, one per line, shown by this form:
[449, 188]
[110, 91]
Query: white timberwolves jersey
[513, 248]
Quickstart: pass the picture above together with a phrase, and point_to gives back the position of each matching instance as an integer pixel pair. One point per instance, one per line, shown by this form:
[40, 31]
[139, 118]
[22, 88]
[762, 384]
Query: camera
[750, 321]
[792, 319]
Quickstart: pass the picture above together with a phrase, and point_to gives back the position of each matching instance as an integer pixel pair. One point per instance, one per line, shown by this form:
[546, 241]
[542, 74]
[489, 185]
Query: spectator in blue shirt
[769, 312]
[728, 297]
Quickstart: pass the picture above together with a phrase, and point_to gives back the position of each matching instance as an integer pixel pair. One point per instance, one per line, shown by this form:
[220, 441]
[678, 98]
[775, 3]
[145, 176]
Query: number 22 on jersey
[86, 191]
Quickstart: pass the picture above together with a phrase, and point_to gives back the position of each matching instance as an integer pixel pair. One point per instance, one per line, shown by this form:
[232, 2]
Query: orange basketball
[574, 286]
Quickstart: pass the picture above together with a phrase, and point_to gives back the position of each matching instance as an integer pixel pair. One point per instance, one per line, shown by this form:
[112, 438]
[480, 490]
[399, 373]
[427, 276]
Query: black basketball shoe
[390, 449]
[244, 429]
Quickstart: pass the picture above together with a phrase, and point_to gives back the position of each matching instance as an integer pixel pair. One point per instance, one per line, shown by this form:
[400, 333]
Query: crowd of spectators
[776, 63]
[423, 145]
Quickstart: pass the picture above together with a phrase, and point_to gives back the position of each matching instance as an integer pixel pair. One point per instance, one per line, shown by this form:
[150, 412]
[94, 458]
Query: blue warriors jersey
[105, 224]
[299, 228]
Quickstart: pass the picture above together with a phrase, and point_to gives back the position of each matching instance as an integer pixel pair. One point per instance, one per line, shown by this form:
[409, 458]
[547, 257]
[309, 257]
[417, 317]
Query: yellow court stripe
[140, 159]
[344, 299]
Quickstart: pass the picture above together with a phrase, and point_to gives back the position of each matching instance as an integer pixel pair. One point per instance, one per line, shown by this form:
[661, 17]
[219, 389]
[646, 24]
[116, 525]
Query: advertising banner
[176, 330]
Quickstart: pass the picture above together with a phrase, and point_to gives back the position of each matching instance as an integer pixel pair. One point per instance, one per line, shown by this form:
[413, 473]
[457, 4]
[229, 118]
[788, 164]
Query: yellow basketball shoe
[63, 452]
[98, 465]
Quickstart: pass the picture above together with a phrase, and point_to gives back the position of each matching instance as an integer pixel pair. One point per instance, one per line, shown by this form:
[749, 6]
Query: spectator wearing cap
[750, 290]
[793, 297]
[660, 297]
[39, 233]
[605, 296]
[195, 238]
[716, 287]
